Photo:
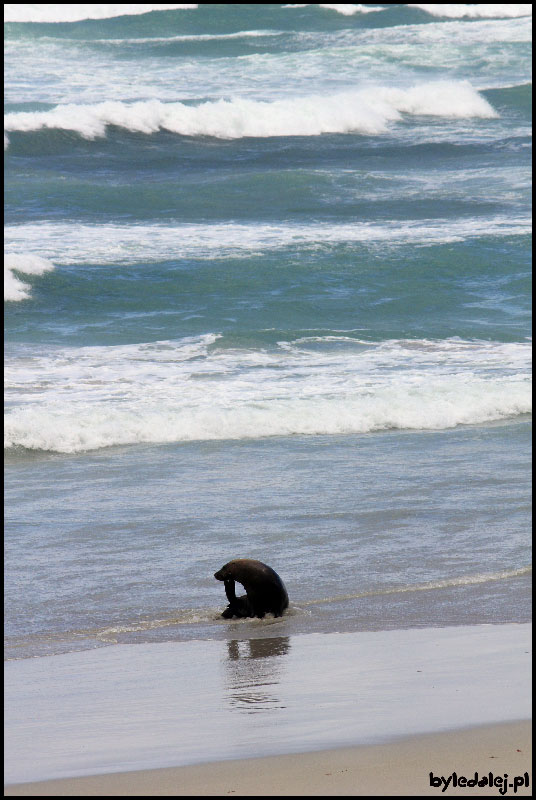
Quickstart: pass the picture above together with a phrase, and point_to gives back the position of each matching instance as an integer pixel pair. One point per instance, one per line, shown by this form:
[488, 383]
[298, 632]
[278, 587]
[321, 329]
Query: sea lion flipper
[230, 590]
[239, 607]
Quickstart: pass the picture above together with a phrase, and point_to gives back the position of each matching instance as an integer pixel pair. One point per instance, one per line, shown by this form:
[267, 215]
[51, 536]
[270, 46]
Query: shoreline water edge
[163, 704]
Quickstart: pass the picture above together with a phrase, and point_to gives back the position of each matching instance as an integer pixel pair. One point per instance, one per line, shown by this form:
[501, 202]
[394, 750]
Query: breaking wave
[27, 264]
[475, 11]
[80, 399]
[367, 111]
[347, 9]
[76, 12]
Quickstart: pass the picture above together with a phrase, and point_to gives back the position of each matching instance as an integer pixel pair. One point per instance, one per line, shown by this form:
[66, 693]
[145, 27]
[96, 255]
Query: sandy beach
[312, 714]
[397, 768]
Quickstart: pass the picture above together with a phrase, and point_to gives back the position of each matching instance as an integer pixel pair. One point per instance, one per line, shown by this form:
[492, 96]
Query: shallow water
[368, 532]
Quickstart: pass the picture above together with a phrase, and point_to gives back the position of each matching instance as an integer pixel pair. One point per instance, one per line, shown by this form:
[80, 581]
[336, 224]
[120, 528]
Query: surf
[368, 111]
[214, 393]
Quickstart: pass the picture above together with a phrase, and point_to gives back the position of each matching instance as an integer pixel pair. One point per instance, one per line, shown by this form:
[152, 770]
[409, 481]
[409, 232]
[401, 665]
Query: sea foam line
[191, 37]
[72, 243]
[367, 111]
[447, 583]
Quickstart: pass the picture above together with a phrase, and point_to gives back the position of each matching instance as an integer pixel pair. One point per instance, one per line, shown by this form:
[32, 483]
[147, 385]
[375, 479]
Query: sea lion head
[221, 574]
[240, 568]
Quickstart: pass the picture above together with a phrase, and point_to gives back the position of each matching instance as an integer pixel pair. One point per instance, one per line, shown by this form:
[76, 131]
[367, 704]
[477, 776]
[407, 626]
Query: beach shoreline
[141, 709]
[400, 767]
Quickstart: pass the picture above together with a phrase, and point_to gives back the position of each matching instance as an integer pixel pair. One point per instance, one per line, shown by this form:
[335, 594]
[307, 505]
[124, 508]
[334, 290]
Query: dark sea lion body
[265, 591]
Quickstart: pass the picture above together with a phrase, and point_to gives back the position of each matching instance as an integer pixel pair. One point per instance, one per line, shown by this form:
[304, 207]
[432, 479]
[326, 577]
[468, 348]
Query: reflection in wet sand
[252, 671]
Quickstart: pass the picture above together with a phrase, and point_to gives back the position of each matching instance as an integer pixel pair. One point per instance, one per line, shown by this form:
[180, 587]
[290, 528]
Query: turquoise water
[267, 295]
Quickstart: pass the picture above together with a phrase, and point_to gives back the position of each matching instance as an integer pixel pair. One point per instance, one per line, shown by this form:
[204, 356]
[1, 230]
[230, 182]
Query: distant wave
[191, 37]
[74, 243]
[80, 399]
[322, 67]
[75, 12]
[14, 288]
[450, 10]
[476, 11]
[368, 111]
[348, 9]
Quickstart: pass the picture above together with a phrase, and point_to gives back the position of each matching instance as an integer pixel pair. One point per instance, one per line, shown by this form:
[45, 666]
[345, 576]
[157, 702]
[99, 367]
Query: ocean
[267, 295]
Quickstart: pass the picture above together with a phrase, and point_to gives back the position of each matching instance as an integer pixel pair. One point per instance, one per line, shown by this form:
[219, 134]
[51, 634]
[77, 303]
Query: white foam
[191, 37]
[347, 9]
[75, 12]
[72, 243]
[367, 111]
[14, 288]
[77, 399]
[476, 10]
[331, 63]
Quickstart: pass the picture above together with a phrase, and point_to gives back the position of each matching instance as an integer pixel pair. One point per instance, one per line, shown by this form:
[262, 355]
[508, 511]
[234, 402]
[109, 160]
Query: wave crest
[81, 399]
[476, 11]
[367, 111]
[15, 289]
[347, 9]
[76, 12]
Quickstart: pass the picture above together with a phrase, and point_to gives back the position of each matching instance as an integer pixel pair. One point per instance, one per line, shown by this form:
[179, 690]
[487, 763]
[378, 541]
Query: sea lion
[265, 591]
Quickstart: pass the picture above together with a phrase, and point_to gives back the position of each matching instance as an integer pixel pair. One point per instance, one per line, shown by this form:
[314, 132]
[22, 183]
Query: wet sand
[213, 717]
